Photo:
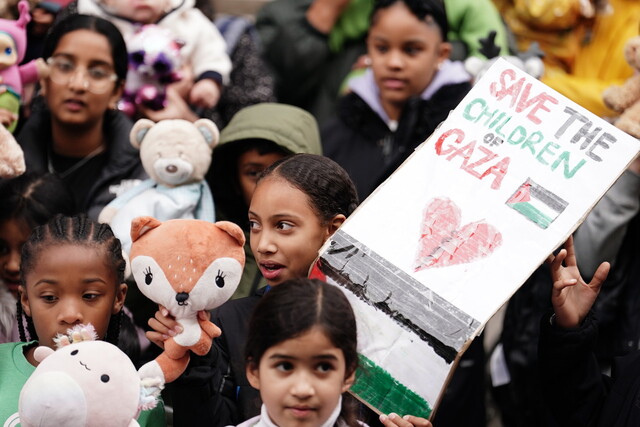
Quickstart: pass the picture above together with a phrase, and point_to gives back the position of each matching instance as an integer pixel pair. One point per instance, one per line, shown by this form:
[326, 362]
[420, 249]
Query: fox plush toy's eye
[220, 279]
[148, 276]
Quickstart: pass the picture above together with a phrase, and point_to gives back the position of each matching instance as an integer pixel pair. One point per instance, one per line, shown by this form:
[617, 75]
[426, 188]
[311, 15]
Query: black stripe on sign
[408, 302]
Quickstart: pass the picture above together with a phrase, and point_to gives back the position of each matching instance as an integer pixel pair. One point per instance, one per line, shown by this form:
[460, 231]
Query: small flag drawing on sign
[537, 204]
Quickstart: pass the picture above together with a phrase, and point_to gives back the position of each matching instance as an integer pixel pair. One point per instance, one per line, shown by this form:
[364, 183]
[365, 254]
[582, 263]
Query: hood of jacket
[289, 127]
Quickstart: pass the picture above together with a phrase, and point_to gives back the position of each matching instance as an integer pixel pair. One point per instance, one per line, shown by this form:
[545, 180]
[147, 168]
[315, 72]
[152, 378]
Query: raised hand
[572, 297]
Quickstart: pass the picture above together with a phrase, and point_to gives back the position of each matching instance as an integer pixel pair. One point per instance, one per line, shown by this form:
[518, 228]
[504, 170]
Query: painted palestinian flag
[537, 204]
[401, 325]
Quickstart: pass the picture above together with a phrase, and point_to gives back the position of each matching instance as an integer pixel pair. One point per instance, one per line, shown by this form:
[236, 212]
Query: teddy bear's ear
[209, 131]
[139, 130]
[233, 230]
[141, 225]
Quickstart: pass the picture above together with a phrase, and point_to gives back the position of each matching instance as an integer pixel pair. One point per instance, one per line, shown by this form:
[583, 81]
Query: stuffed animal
[85, 382]
[154, 62]
[176, 154]
[13, 45]
[186, 266]
[11, 155]
[529, 61]
[626, 98]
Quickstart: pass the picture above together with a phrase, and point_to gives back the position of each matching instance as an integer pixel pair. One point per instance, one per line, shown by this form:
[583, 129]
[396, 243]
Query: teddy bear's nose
[171, 168]
[182, 297]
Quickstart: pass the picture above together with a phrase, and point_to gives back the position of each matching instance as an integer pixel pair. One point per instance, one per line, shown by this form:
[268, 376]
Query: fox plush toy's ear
[233, 230]
[141, 225]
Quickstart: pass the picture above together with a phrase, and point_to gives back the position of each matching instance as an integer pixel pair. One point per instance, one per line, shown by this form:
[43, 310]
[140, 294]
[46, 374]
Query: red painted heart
[442, 241]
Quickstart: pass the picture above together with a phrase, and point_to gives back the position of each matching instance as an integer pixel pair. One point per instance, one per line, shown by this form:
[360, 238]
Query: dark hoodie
[290, 129]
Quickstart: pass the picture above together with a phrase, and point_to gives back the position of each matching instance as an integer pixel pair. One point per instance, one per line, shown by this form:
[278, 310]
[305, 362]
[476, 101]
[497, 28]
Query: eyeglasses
[96, 79]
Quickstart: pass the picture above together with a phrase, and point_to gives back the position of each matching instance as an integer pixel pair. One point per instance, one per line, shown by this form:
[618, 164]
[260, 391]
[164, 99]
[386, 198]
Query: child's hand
[394, 420]
[205, 94]
[571, 297]
[164, 326]
[43, 68]
[176, 108]
[7, 117]
[323, 14]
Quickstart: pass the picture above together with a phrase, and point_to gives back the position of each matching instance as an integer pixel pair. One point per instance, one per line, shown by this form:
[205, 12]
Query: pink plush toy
[85, 383]
[154, 62]
[13, 45]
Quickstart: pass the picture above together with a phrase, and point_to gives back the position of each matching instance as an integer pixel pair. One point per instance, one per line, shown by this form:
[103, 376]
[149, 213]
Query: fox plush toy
[186, 265]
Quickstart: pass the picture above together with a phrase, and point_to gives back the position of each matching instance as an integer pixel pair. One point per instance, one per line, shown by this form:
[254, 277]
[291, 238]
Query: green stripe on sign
[531, 212]
[379, 389]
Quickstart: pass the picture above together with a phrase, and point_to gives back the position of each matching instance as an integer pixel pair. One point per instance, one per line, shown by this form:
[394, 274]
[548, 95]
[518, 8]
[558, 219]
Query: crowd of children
[318, 103]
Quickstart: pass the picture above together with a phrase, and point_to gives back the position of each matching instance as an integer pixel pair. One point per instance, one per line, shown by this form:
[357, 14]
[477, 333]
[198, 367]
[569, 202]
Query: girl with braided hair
[72, 272]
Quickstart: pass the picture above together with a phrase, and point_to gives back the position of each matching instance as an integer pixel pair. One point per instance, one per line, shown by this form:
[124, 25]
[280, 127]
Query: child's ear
[252, 372]
[444, 52]
[118, 302]
[24, 301]
[335, 223]
[348, 381]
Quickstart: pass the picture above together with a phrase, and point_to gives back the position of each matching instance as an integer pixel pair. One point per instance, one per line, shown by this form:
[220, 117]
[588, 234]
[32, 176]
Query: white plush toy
[176, 154]
[85, 383]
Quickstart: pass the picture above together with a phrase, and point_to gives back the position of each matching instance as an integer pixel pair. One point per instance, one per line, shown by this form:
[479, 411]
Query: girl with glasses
[79, 135]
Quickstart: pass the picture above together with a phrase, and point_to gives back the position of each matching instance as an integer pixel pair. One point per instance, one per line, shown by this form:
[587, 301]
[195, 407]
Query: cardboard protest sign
[437, 249]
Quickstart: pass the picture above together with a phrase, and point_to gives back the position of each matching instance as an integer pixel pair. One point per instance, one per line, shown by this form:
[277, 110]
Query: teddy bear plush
[11, 155]
[176, 154]
[185, 265]
[154, 62]
[626, 98]
[85, 382]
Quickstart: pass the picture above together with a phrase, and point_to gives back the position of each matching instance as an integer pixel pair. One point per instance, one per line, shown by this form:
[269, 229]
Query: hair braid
[31, 330]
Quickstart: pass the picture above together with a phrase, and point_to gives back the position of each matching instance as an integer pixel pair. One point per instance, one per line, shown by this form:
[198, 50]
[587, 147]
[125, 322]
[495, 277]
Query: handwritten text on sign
[515, 97]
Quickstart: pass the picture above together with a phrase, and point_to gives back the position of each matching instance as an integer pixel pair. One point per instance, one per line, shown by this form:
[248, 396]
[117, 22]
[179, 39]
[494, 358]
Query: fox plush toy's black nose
[181, 297]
